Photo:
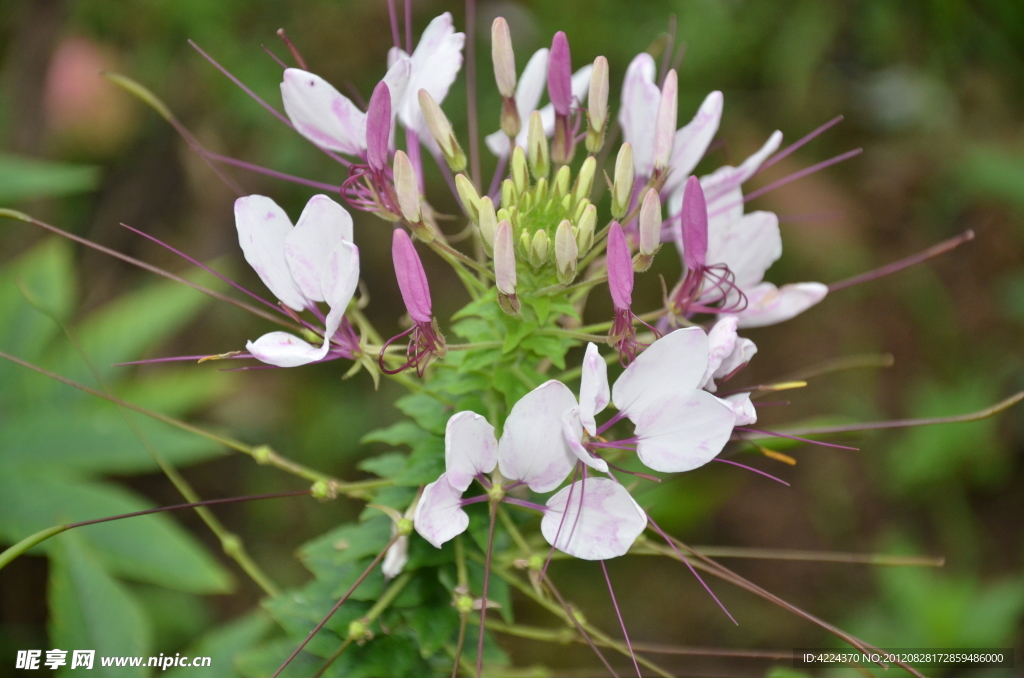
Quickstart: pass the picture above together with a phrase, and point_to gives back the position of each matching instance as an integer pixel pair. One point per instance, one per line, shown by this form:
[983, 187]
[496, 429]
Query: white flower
[310, 262]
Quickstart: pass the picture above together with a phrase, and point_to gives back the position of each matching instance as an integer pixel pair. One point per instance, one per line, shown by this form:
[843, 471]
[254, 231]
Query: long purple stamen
[525, 504]
[751, 468]
[181, 358]
[483, 605]
[802, 173]
[471, 112]
[393, 14]
[204, 267]
[618, 614]
[796, 145]
[408, 26]
[803, 440]
[907, 262]
[227, 160]
[611, 422]
[561, 522]
[692, 569]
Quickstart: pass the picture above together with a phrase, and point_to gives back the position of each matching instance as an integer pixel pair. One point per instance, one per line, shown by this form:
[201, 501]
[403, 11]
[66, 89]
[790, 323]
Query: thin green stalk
[261, 453]
[231, 543]
[28, 542]
[517, 536]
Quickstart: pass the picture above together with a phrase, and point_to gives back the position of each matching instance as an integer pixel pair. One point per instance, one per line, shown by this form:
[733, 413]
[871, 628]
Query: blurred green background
[932, 90]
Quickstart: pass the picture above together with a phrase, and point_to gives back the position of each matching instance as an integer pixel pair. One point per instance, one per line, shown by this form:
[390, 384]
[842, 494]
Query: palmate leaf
[90, 610]
[222, 645]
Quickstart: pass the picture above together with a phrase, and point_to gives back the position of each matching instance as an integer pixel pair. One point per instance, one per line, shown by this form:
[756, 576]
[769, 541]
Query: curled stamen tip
[221, 356]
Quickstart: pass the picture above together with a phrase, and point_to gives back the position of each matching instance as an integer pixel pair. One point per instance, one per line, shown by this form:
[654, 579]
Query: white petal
[684, 431]
[439, 516]
[767, 305]
[338, 283]
[639, 110]
[532, 448]
[572, 430]
[469, 448]
[721, 342]
[284, 350]
[726, 179]
[594, 392]
[601, 521]
[322, 225]
[528, 92]
[692, 141]
[435, 63]
[322, 114]
[262, 228]
[742, 352]
[673, 364]
[396, 558]
[743, 408]
[748, 246]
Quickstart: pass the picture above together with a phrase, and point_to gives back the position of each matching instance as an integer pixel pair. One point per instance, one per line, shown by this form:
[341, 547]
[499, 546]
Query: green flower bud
[622, 186]
[488, 223]
[441, 129]
[470, 198]
[584, 180]
[539, 248]
[508, 193]
[537, 145]
[566, 253]
[585, 229]
[403, 528]
[560, 186]
[520, 173]
[597, 105]
[407, 187]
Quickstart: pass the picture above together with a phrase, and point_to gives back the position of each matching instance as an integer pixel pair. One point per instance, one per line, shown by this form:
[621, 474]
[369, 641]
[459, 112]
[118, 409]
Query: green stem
[517, 536]
[573, 334]
[28, 542]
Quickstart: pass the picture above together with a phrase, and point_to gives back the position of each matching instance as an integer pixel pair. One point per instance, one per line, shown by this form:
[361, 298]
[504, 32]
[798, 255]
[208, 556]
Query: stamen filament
[622, 623]
[751, 468]
[796, 145]
[525, 504]
[487, 580]
[907, 262]
[774, 434]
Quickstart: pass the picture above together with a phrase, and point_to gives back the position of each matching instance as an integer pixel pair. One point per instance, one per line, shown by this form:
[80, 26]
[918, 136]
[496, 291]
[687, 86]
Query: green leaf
[346, 544]
[425, 463]
[425, 410]
[386, 465]
[515, 331]
[222, 645]
[90, 610]
[553, 348]
[150, 548]
[28, 179]
[402, 433]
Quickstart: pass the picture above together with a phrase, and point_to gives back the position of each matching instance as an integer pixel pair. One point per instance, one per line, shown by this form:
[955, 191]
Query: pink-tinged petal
[532, 448]
[262, 229]
[435, 64]
[528, 92]
[620, 269]
[599, 522]
[594, 391]
[721, 342]
[726, 179]
[748, 246]
[580, 89]
[321, 226]
[692, 141]
[439, 516]
[322, 114]
[378, 127]
[639, 111]
[338, 283]
[504, 259]
[683, 431]
[412, 281]
[743, 409]
[572, 430]
[694, 225]
[665, 125]
[560, 74]
[673, 364]
[396, 558]
[469, 448]
[741, 354]
[283, 350]
[768, 305]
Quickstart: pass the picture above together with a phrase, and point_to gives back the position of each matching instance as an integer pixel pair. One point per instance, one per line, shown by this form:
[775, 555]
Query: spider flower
[310, 262]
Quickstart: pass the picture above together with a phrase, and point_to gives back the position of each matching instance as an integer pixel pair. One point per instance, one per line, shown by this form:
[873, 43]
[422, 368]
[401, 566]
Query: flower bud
[584, 180]
[407, 188]
[560, 75]
[537, 145]
[505, 268]
[620, 268]
[585, 229]
[412, 281]
[539, 248]
[694, 217]
[488, 223]
[580, 206]
[525, 241]
[508, 193]
[650, 230]
[503, 57]
[378, 127]
[470, 198]
[566, 253]
[441, 129]
[560, 186]
[597, 105]
[622, 186]
[541, 189]
[520, 173]
[665, 124]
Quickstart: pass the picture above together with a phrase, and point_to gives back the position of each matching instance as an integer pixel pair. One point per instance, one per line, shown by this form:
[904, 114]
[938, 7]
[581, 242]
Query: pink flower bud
[665, 124]
[694, 217]
[503, 57]
[378, 127]
[412, 281]
[505, 259]
[560, 74]
[620, 268]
